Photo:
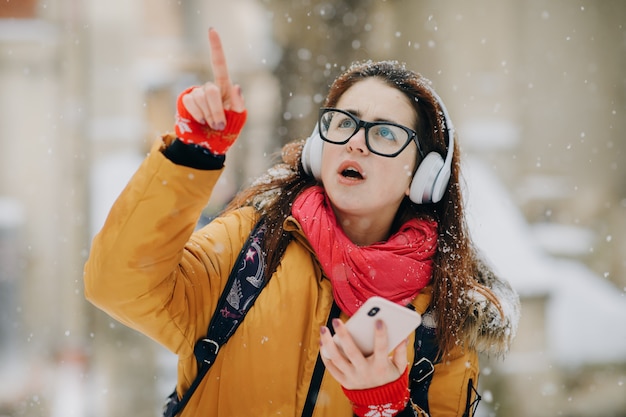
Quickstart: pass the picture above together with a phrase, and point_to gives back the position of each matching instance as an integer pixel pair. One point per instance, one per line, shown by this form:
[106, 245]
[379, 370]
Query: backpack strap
[246, 280]
[427, 355]
[421, 374]
[318, 371]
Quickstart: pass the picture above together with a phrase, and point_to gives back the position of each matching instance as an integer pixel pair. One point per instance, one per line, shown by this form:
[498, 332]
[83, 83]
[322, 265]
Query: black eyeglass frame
[412, 134]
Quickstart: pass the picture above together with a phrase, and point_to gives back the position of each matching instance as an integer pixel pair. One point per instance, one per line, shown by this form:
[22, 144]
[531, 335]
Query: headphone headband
[449, 126]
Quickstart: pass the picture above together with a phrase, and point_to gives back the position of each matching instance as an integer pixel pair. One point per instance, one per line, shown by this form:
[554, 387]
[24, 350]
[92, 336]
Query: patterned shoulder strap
[246, 280]
[244, 285]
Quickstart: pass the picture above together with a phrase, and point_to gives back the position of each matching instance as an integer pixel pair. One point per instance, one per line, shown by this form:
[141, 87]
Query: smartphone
[400, 322]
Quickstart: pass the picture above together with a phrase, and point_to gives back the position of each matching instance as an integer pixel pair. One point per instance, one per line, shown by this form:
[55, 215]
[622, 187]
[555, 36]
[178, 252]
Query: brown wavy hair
[455, 263]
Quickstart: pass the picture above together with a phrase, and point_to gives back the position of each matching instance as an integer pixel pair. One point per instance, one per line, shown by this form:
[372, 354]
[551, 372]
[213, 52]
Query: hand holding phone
[400, 322]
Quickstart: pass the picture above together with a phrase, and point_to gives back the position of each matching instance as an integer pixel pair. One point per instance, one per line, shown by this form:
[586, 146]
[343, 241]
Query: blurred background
[537, 91]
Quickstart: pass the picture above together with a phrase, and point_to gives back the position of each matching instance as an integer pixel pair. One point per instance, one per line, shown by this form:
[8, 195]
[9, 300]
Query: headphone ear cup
[441, 183]
[426, 187]
[312, 155]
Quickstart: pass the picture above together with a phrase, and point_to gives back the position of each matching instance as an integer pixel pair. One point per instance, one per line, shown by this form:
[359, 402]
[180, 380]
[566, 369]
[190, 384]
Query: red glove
[386, 400]
[189, 131]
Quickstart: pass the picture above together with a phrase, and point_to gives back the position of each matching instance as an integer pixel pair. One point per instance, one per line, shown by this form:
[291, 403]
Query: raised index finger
[218, 62]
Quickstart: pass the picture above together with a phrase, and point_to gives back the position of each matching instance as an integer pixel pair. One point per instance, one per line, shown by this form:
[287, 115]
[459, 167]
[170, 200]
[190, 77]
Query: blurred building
[536, 90]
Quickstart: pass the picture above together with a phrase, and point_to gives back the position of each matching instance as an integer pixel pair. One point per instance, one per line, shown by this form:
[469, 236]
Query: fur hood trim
[493, 314]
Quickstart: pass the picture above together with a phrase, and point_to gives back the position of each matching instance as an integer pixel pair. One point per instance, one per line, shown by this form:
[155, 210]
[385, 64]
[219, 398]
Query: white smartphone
[400, 322]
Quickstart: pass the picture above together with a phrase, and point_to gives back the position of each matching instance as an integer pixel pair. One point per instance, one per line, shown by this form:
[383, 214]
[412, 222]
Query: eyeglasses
[382, 138]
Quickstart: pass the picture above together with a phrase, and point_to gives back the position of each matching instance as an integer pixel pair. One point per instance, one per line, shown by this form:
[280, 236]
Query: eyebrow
[358, 114]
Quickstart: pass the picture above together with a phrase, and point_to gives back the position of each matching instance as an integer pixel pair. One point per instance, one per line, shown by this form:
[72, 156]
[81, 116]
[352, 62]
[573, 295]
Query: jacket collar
[292, 226]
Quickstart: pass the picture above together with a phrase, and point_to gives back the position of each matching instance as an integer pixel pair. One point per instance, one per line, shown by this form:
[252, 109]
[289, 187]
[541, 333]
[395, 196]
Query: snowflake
[383, 410]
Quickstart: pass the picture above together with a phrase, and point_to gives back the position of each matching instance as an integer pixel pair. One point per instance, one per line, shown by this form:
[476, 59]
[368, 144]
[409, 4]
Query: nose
[358, 142]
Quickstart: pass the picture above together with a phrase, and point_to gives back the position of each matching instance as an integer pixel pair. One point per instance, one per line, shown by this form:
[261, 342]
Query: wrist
[388, 399]
[193, 156]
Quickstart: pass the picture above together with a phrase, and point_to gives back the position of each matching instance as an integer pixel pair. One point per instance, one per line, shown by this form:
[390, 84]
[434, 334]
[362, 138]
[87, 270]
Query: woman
[369, 205]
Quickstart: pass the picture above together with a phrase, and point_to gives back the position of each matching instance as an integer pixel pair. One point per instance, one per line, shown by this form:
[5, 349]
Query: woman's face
[362, 186]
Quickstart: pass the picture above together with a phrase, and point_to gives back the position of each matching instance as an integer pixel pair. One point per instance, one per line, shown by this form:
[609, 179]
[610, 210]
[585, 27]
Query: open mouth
[351, 170]
[351, 173]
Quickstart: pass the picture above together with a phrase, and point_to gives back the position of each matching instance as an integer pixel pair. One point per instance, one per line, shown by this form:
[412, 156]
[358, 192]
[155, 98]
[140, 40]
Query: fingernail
[323, 330]
[336, 323]
[379, 324]
[220, 126]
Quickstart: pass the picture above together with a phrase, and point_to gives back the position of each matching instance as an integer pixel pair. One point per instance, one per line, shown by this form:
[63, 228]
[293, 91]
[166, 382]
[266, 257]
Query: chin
[351, 209]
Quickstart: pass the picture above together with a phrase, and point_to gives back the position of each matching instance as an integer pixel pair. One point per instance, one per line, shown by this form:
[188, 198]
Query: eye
[344, 122]
[386, 132]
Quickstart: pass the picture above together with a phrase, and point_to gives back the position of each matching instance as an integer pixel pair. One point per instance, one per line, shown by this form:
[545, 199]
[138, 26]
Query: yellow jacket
[151, 271]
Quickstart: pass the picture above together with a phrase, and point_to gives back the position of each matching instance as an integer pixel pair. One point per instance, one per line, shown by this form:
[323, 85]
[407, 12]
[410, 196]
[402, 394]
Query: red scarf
[396, 269]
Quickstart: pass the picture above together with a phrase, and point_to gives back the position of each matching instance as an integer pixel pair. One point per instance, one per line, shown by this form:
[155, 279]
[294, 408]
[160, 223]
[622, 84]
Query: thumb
[237, 103]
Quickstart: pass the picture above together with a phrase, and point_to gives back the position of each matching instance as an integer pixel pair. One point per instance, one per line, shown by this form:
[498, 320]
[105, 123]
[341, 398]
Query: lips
[351, 170]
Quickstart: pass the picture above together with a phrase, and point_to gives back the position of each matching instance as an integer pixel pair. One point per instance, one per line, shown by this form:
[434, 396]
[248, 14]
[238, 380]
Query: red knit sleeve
[384, 401]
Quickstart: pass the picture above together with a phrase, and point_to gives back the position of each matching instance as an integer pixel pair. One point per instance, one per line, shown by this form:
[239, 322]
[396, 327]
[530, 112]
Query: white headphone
[430, 180]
